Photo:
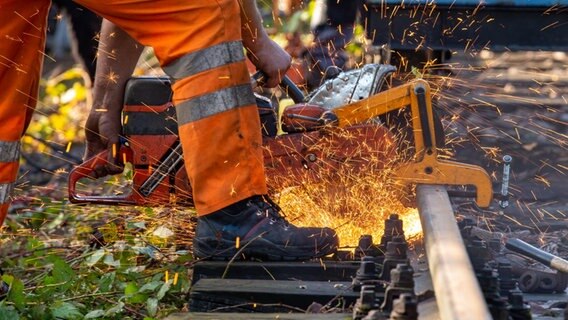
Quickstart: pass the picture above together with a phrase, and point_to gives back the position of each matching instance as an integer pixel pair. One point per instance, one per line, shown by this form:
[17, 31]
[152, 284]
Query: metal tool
[504, 200]
[527, 250]
[502, 195]
[425, 168]
[167, 167]
[310, 148]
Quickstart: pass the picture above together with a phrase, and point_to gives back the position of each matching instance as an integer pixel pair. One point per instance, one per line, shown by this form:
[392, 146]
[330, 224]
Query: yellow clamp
[426, 168]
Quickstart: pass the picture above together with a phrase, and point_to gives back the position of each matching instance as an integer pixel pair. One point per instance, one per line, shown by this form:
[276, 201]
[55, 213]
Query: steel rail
[458, 294]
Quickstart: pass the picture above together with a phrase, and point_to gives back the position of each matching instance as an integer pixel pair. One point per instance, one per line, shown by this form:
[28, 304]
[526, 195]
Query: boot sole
[213, 249]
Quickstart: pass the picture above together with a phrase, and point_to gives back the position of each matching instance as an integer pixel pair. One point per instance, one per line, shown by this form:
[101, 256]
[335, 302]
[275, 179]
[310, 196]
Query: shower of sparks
[353, 194]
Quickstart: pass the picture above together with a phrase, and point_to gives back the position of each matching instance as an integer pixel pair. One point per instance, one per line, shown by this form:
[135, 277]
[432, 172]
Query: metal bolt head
[365, 241]
[367, 295]
[367, 270]
[505, 270]
[402, 276]
[478, 253]
[516, 298]
[393, 226]
[405, 307]
[394, 216]
[397, 247]
[467, 222]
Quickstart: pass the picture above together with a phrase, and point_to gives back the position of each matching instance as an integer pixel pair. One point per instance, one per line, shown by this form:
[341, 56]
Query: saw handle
[288, 85]
[87, 169]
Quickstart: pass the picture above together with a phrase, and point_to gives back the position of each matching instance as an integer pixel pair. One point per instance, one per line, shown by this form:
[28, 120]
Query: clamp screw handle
[504, 199]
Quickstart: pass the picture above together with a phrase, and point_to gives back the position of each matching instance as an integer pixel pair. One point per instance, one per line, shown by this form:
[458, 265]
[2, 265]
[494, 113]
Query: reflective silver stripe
[9, 151]
[213, 103]
[5, 191]
[206, 59]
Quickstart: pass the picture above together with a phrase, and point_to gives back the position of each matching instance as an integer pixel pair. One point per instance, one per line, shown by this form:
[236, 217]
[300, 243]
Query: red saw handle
[86, 170]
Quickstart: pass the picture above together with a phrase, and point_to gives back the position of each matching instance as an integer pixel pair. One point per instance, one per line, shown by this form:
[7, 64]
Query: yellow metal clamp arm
[426, 168]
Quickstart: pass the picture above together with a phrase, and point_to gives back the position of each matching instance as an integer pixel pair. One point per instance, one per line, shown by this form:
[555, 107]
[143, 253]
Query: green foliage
[62, 108]
[16, 292]
[356, 46]
[53, 273]
[416, 72]
[65, 310]
[8, 312]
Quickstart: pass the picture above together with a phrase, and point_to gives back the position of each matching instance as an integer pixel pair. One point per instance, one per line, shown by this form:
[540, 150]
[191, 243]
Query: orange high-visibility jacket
[198, 43]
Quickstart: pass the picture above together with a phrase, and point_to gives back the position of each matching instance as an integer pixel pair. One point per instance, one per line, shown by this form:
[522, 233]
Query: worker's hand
[102, 132]
[270, 58]
[117, 57]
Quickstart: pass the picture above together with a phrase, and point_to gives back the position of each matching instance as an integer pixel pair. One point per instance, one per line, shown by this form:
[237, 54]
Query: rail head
[458, 294]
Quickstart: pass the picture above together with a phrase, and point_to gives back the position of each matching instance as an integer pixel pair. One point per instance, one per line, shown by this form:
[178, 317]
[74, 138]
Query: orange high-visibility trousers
[199, 45]
[22, 39]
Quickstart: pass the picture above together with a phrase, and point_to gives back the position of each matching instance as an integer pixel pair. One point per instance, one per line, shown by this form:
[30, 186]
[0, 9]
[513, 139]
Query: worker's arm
[266, 54]
[117, 57]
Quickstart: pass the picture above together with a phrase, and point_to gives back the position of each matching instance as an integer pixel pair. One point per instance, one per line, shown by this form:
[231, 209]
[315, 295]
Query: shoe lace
[273, 210]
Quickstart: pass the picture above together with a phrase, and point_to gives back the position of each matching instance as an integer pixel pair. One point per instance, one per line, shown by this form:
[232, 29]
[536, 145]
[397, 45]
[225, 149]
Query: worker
[332, 24]
[200, 46]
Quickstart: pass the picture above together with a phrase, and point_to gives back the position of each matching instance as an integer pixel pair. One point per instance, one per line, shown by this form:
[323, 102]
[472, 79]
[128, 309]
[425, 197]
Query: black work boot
[261, 232]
